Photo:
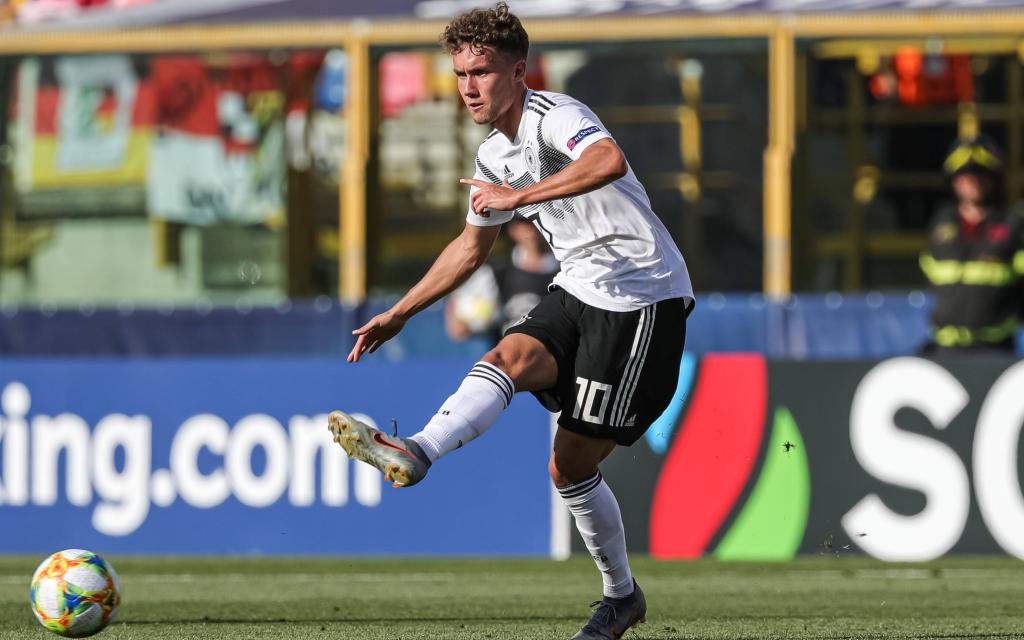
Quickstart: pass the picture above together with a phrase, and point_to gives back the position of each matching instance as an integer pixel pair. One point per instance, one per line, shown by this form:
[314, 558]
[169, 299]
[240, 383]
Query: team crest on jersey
[530, 155]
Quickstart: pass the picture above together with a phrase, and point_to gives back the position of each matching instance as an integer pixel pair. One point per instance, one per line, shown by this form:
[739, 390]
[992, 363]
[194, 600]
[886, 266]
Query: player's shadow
[373, 620]
[636, 634]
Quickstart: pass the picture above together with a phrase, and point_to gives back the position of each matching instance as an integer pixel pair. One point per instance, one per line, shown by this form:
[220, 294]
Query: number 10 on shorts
[587, 396]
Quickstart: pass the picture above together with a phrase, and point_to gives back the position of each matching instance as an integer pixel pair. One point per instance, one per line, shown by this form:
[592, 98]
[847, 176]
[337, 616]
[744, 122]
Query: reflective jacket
[977, 277]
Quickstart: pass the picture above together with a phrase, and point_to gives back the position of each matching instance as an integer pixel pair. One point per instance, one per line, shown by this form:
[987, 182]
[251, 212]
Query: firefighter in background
[975, 258]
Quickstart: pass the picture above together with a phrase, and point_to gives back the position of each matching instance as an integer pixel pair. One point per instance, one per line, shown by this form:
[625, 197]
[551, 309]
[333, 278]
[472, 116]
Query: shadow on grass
[639, 635]
[440, 619]
[464, 621]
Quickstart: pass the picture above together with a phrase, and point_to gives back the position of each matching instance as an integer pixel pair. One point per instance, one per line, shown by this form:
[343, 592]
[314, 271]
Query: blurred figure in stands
[502, 291]
[975, 258]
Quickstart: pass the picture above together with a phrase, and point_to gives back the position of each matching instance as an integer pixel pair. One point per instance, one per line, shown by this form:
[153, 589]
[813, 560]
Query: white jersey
[615, 252]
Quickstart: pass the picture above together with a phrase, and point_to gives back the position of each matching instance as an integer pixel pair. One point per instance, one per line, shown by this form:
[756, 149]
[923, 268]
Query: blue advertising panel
[233, 456]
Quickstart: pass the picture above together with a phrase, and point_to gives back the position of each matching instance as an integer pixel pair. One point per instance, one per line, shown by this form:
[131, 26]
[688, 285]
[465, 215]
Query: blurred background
[200, 199]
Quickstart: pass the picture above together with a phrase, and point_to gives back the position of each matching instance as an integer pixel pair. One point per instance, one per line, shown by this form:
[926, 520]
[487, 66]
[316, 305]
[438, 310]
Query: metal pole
[352, 214]
[777, 164]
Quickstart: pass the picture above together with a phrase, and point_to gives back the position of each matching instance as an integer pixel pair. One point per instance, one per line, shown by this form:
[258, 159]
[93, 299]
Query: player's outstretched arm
[601, 163]
[460, 258]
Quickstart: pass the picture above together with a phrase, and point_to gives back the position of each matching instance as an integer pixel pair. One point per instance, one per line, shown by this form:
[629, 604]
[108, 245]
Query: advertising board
[902, 459]
[233, 456]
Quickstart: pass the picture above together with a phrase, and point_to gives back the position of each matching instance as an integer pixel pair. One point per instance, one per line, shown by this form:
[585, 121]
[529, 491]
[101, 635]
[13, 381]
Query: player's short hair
[497, 28]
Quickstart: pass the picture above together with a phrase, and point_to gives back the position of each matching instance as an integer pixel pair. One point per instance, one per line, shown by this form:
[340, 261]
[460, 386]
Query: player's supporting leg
[573, 468]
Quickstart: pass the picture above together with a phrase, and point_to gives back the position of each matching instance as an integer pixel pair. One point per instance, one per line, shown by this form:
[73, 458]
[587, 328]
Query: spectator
[975, 258]
[502, 292]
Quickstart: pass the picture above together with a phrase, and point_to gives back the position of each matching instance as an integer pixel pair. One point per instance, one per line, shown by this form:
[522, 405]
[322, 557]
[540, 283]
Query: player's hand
[501, 197]
[374, 333]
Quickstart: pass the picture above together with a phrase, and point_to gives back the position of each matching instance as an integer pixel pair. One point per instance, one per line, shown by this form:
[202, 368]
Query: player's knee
[557, 478]
[499, 358]
[526, 361]
[513, 361]
[565, 469]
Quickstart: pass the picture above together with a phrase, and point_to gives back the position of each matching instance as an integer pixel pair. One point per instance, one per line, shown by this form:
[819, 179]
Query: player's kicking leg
[401, 460]
[485, 392]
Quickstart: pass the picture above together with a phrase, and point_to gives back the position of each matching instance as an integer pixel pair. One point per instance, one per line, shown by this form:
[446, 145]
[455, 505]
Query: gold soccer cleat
[401, 460]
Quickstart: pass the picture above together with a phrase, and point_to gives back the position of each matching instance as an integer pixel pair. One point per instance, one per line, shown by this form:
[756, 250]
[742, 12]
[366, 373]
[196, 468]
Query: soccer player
[602, 348]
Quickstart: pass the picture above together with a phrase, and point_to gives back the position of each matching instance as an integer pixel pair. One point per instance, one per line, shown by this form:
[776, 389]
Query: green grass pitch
[433, 599]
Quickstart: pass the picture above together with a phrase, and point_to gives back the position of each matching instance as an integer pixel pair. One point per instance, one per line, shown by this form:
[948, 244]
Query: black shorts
[617, 370]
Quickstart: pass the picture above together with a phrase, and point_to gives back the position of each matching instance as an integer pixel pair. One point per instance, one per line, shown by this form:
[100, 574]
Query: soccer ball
[75, 593]
[476, 312]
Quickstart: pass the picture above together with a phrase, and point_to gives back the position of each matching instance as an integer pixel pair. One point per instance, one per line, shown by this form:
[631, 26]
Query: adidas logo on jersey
[520, 321]
[630, 421]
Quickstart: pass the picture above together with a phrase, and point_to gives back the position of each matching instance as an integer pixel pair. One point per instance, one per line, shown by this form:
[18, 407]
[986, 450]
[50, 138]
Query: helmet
[974, 154]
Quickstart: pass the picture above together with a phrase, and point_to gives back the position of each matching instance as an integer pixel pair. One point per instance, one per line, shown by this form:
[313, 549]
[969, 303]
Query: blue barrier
[319, 327]
[233, 456]
[875, 325]
[736, 323]
[807, 326]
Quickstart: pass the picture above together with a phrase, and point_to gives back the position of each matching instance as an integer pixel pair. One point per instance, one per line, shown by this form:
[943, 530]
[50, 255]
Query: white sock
[470, 411]
[599, 521]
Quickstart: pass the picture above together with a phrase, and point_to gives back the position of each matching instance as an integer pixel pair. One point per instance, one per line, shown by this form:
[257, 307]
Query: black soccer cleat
[613, 616]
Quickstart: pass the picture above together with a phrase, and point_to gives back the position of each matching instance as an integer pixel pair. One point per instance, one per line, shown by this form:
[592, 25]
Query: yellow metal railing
[777, 164]
[353, 211]
[781, 31]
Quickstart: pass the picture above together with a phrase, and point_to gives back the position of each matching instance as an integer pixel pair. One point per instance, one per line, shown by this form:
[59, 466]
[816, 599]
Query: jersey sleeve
[571, 128]
[490, 217]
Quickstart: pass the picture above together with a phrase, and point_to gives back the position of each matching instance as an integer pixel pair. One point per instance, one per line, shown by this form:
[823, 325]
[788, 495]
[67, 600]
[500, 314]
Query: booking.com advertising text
[234, 456]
